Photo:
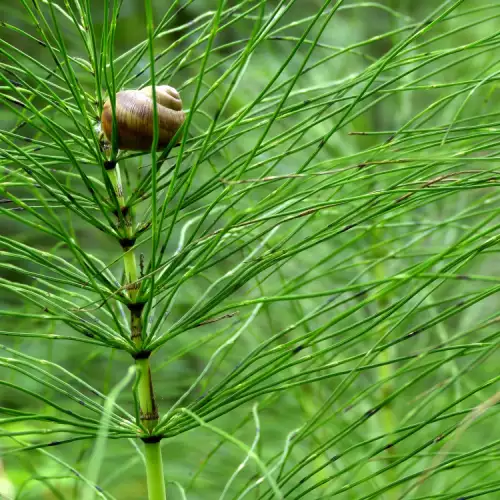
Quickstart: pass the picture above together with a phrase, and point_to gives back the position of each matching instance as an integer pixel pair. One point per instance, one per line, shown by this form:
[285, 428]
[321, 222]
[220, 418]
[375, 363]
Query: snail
[134, 117]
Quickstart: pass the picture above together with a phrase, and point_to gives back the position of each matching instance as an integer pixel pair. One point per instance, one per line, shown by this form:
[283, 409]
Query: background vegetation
[326, 265]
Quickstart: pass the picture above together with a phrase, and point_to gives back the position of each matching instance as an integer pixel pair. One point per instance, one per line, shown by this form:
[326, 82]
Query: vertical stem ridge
[147, 402]
[130, 265]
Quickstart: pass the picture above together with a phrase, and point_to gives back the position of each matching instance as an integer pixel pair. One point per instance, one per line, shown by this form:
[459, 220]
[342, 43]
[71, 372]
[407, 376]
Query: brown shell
[134, 117]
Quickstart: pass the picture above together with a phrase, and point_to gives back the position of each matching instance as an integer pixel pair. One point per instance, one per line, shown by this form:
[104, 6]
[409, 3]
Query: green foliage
[315, 250]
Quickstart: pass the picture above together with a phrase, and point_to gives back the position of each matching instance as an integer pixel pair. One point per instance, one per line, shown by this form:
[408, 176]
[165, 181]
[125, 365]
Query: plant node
[109, 164]
[142, 354]
[151, 439]
[127, 243]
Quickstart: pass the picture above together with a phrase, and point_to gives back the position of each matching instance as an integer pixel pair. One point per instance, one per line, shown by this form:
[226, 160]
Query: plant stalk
[154, 471]
[387, 415]
[148, 411]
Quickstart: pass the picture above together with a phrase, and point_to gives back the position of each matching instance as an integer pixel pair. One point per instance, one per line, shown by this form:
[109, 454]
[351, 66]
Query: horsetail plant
[253, 240]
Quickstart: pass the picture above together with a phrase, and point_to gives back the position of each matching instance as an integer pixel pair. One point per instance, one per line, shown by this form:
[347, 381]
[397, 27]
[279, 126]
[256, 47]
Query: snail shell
[134, 117]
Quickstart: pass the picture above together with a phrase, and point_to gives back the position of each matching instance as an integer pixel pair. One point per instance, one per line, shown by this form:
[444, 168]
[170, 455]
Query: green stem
[154, 471]
[130, 266]
[145, 393]
[116, 181]
[387, 415]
